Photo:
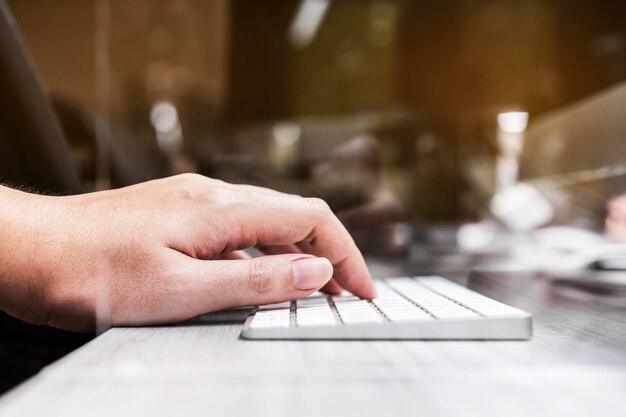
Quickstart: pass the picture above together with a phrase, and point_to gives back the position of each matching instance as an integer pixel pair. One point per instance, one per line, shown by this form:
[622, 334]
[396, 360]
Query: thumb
[263, 280]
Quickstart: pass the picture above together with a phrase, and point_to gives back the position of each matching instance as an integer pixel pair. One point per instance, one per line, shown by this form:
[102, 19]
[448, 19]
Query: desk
[575, 365]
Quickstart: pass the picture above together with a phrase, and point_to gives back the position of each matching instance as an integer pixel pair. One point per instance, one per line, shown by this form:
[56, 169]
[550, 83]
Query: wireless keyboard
[427, 307]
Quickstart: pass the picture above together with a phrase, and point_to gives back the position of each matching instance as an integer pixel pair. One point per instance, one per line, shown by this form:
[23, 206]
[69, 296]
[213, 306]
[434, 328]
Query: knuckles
[195, 187]
[258, 277]
[320, 206]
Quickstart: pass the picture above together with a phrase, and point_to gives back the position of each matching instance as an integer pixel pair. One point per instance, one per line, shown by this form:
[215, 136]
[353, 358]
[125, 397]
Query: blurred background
[401, 114]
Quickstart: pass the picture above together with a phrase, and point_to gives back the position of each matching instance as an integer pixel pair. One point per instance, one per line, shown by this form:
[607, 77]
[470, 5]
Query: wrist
[29, 234]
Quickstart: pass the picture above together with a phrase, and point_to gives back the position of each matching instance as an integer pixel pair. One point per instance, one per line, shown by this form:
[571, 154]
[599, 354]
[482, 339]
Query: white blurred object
[510, 136]
[307, 22]
[612, 257]
[482, 238]
[286, 133]
[568, 239]
[164, 118]
[285, 145]
[507, 172]
[553, 248]
[521, 207]
[559, 248]
[513, 122]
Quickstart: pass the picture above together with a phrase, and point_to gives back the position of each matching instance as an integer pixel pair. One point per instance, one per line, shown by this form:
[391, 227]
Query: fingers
[235, 255]
[332, 287]
[272, 218]
[229, 217]
[263, 280]
[278, 249]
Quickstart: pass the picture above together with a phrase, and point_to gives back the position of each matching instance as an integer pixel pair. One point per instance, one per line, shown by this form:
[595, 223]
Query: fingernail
[309, 273]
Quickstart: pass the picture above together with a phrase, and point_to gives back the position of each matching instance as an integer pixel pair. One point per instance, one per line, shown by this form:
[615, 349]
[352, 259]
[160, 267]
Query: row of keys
[396, 307]
[353, 310]
[437, 305]
[477, 302]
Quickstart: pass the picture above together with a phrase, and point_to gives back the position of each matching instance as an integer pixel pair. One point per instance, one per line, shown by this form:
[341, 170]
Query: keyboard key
[312, 302]
[276, 306]
[437, 305]
[315, 316]
[356, 311]
[271, 318]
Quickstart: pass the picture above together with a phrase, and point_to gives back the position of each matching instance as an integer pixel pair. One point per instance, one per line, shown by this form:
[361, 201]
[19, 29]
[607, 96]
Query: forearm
[27, 230]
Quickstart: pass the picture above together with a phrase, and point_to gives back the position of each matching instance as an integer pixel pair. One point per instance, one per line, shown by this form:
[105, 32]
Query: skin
[615, 222]
[167, 250]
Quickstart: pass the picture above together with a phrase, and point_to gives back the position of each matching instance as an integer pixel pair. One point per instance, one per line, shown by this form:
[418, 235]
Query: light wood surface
[575, 365]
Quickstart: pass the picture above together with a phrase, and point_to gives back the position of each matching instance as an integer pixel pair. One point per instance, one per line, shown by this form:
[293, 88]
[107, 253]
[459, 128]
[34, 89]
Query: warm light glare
[513, 122]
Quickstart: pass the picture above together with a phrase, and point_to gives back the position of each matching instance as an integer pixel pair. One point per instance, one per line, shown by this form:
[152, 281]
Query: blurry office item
[425, 307]
[306, 22]
[513, 122]
[510, 136]
[521, 207]
[560, 248]
[483, 238]
[545, 250]
[164, 118]
[612, 258]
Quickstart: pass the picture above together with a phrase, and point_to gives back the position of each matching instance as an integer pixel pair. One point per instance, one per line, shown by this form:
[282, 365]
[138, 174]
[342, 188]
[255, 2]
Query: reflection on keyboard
[427, 307]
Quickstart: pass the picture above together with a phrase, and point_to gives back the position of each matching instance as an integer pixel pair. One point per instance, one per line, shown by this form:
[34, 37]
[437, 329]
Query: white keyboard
[428, 307]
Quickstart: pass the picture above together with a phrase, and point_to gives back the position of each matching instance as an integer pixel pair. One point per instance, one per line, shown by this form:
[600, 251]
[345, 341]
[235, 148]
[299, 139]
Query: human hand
[168, 250]
[615, 222]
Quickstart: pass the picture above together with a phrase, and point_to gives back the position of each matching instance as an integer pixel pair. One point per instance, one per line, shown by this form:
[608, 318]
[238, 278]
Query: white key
[475, 301]
[342, 298]
[276, 306]
[314, 311]
[435, 304]
[357, 311]
[315, 316]
[271, 318]
[312, 302]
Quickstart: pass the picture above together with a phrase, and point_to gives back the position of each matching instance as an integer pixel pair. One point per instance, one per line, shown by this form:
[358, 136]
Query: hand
[615, 222]
[167, 250]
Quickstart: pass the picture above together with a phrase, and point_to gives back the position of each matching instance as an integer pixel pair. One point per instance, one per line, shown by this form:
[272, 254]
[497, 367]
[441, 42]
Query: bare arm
[167, 250]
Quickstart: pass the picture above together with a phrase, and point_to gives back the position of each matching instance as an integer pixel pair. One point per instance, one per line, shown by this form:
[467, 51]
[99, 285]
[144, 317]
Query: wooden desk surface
[575, 365]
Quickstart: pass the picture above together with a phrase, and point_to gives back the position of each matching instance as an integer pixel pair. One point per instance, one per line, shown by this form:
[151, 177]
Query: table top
[574, 365]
